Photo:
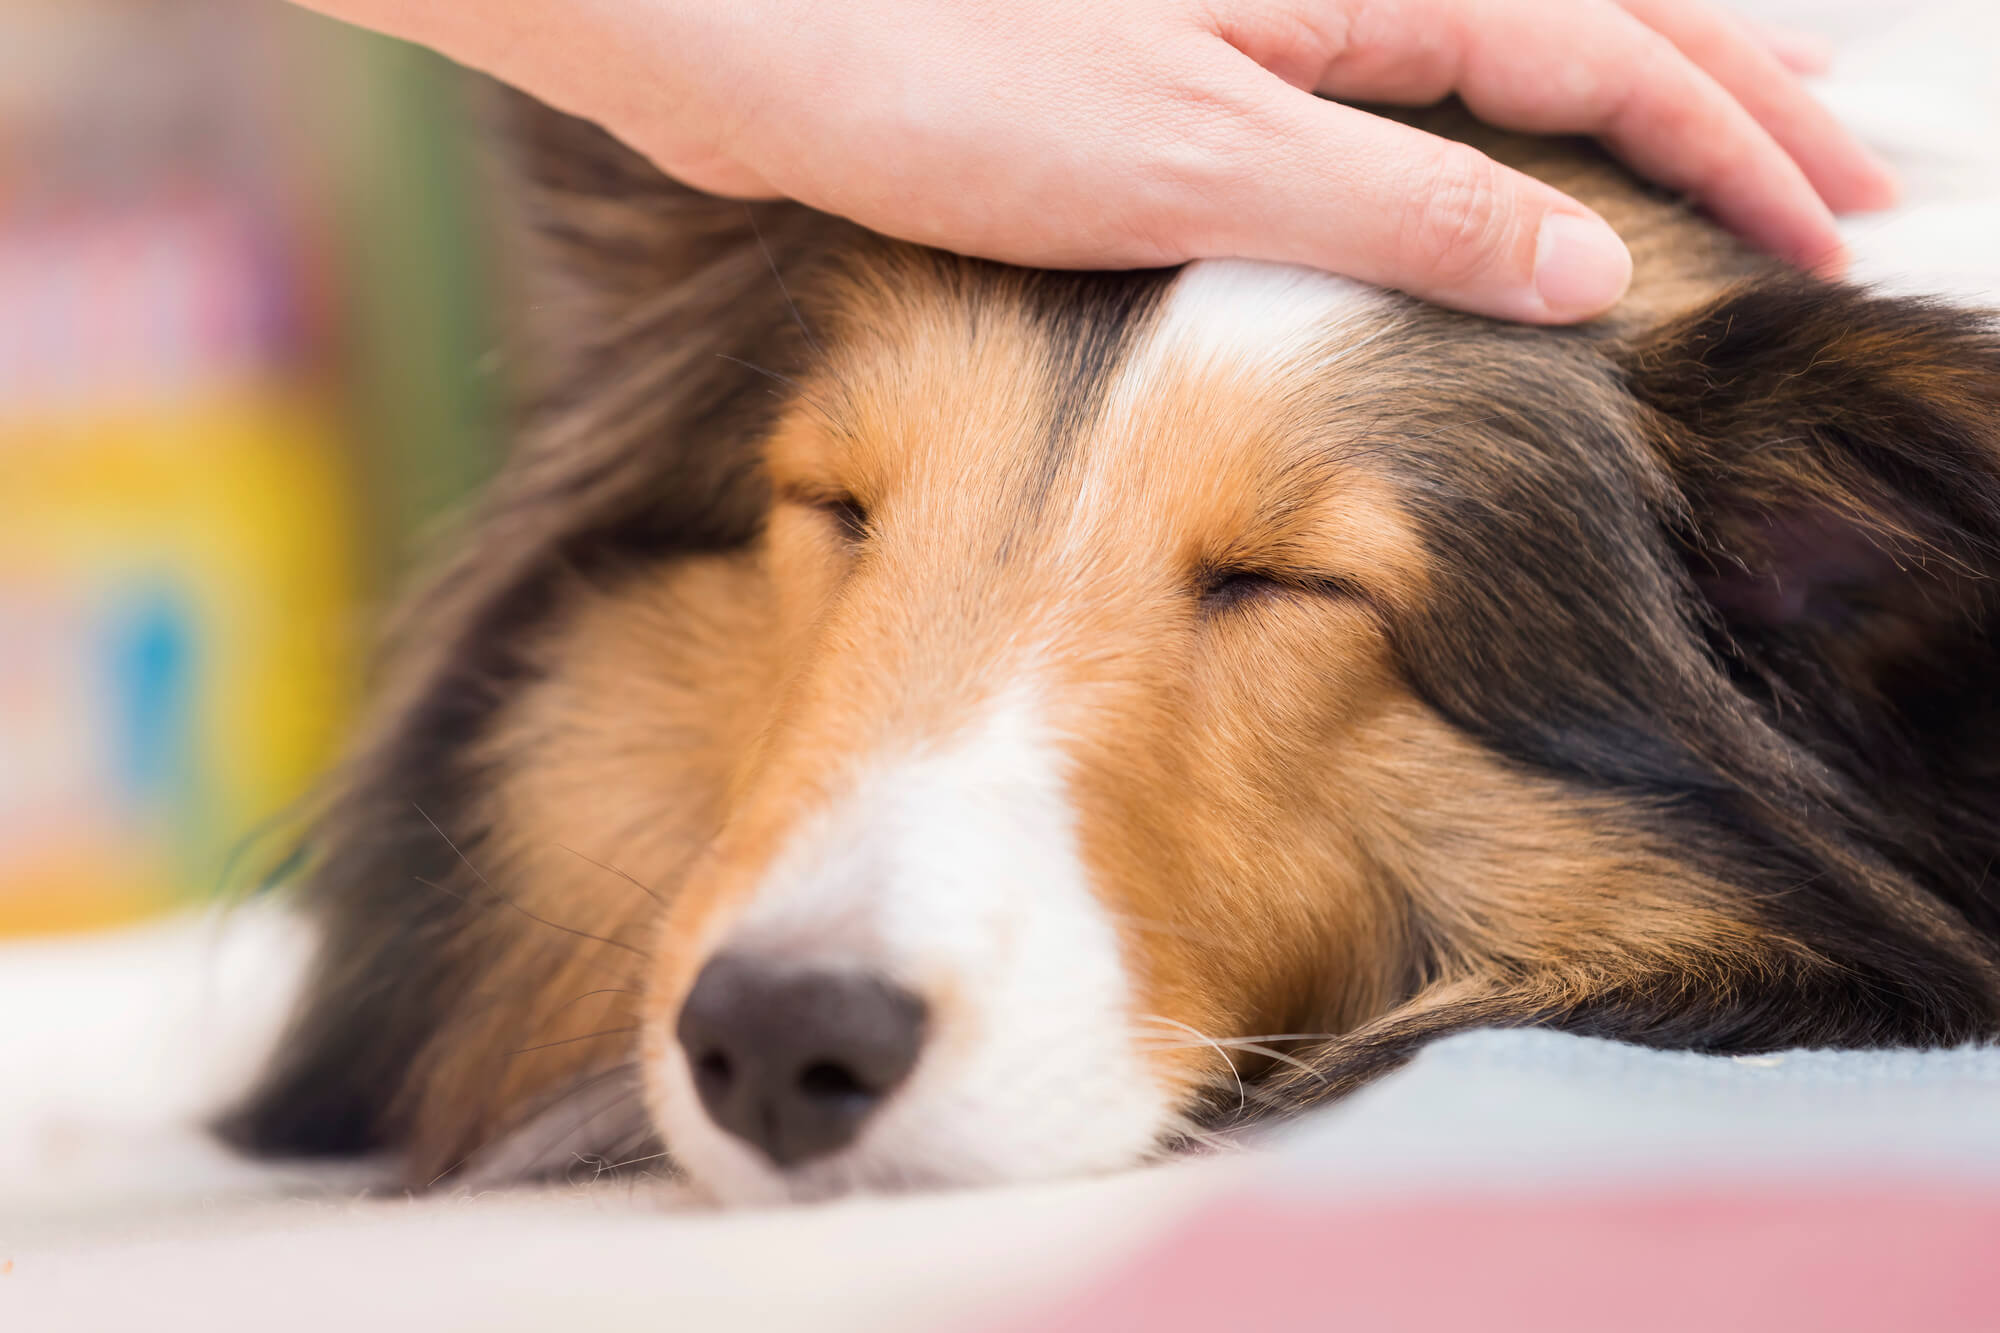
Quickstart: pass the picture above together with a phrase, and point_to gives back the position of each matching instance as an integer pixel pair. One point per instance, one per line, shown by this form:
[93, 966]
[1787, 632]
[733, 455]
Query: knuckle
[1214, 130]
[1155, 239]
[1458, 224]
[1201, 161]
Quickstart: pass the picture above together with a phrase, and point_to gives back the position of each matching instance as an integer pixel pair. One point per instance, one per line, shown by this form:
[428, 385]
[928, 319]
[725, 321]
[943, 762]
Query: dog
[901, 721]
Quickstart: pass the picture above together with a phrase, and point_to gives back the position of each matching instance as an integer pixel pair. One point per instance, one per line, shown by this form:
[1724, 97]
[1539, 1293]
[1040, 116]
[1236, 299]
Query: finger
[725, 182]
[1596, 70]
[1847, 175]
[1323, 184]
[710, 173]
[1799, 51]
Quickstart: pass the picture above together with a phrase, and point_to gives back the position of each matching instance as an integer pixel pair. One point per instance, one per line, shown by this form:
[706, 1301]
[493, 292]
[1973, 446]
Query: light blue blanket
[1516, 1108]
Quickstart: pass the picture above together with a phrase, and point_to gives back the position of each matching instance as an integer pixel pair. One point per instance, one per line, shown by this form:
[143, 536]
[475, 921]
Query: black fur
[1834, 755]
[1737, 570]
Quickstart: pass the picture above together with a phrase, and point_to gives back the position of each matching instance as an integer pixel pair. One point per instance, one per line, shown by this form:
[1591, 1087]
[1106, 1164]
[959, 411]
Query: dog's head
[904, 720]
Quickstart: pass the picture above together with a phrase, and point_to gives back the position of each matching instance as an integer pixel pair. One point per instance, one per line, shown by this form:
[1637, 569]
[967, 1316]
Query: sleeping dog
[905, 721]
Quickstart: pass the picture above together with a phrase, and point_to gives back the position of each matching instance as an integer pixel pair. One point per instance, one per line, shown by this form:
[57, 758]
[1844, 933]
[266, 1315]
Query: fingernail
[1808, 52]
[1581, 267]
[1887, 188]
[1831, 264]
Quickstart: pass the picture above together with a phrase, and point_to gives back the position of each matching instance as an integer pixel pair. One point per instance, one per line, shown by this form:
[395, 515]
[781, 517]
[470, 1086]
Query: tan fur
[756, 540]
[1266, 881]
[617, 764]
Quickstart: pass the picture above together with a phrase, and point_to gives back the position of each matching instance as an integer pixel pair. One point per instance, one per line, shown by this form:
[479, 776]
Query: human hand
[1111, 133]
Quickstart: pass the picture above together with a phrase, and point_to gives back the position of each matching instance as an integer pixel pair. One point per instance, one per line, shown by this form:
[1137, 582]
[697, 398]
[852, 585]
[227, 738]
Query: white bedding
[115, 1213]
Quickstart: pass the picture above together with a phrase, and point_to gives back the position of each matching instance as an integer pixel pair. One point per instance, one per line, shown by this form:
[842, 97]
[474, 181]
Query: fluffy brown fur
[1635, 680]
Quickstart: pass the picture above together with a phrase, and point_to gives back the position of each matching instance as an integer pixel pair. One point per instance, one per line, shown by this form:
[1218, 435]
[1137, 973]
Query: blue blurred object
[245, 355]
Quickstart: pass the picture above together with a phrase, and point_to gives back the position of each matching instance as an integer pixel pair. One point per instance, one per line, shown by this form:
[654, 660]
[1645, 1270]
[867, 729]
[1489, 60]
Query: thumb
[1380, 201]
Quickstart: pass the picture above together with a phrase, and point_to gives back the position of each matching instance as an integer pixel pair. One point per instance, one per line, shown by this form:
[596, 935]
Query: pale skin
[1128, 133]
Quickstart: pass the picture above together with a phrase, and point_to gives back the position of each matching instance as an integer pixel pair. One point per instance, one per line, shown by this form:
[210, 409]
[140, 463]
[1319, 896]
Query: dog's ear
[1828, 469]
[1838, 455]
[656, 318]
[1837, 458]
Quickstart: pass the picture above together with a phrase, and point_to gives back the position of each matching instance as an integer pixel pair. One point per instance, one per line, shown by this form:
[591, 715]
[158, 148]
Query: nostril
[794, 1060]
[714, 1070]
[824, 1080]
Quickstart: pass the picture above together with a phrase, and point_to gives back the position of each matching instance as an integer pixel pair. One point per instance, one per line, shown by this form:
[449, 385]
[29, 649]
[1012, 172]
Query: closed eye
[1224, 589]
[848, 516]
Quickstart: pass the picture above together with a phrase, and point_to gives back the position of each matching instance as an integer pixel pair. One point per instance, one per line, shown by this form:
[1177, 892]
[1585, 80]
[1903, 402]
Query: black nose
[794, 1061]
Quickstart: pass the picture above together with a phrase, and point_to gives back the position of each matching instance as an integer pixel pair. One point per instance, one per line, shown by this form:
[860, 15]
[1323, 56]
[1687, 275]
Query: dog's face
[1122, 688]
[1085, 700]
[1076, 720]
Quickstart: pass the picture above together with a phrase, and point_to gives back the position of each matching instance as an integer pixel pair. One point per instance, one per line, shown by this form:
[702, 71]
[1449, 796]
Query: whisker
[750, 215]
[765, 371]
[601, 990]
[1242, 1095]
[539, 1109]
[567, 1041]
[449, 843]
[616, 1104]
[800, 394]
[614, 870]
[1276, 1036]
[488, 886]
[1255, 1049]
[632, 1161]
[538, 920]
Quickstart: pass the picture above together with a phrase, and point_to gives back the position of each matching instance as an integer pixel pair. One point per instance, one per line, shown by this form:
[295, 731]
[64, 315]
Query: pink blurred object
[1828, 1259]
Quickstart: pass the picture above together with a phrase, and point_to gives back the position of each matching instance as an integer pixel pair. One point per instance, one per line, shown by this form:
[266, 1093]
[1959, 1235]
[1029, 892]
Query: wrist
[611, 61]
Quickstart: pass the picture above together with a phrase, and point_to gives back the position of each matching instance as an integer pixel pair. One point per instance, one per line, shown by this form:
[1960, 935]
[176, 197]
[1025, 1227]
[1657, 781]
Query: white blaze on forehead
[1247, 315]
[954, 870]
[1269, 328]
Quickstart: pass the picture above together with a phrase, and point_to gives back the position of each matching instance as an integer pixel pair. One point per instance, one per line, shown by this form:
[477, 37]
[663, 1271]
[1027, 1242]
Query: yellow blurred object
[245, 358]
[176, 590]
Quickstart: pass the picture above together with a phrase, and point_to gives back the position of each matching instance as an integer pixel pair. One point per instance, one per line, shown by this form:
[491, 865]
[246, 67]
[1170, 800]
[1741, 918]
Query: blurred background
[248, 356]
